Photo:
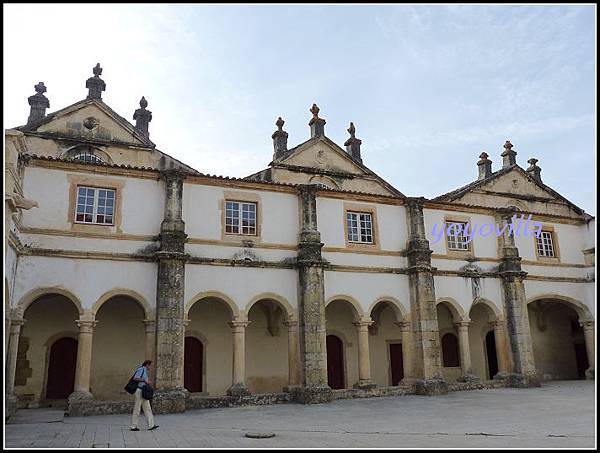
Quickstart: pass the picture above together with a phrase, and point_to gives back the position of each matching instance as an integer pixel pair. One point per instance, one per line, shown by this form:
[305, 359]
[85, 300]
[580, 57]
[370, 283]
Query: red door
[192, 375]
[335, 362]
[396, 363]
[61, 369]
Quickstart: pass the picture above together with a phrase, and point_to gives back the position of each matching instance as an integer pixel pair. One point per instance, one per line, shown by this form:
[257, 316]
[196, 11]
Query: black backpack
[131, 386]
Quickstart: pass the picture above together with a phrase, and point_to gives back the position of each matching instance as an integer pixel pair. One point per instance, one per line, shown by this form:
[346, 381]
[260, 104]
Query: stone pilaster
[10, 399]
[407, 356]
[311, 297]
[426, 343]
[150, 349]
[238, 384]
[502, 351]
[590, 347]
[293, 355]
[364, 360]
[515, 306]
[465, 352]
[170, 395]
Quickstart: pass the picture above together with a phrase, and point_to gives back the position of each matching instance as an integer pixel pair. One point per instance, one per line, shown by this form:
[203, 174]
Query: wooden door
[396, 363]
[335, 362]
[192, 376]
[61, 369]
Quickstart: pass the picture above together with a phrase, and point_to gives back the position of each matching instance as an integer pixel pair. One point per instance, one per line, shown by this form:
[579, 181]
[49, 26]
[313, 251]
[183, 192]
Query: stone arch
[482, 301]
[35, 294]
[83, 149]
[324, 180]
[286, 307]
[581, 309]
[399, 310]
[141, 300]
[233, 308]
[357, 310]
[458, 313]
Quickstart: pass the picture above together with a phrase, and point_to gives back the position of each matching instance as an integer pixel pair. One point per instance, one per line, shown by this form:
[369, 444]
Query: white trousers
[145, 405]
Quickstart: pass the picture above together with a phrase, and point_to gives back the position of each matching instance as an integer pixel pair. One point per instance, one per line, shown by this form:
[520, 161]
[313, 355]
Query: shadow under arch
[141, 300]
[357, 310]
[402, 314]
[231, 305]
[286, 307]
[458, 313]
[35, 294]
[581, 309]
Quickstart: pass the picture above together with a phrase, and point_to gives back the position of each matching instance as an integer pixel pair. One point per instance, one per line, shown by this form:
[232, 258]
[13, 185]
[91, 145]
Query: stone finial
[39, 103]
[353, 144]
[534, 171]
[95, 84]
[509, 157]
[279, 139]
[485, 166]
[142, 118]
[317, 125]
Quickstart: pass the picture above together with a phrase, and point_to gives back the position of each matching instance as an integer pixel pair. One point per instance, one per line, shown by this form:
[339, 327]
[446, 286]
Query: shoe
[135, 429]
[154, 427]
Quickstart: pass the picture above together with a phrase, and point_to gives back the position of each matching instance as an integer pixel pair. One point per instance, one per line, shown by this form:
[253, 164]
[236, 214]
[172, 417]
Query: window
[545, 246]
[360, 227]
[240, 218]
[457, 238]
[95, 205]
[450, 350]
[86, 154]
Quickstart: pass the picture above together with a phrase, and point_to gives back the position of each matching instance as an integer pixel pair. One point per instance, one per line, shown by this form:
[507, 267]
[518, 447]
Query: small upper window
[87, 156]
[545, 246]
[95, 205]
[240, 218]
[457, 236]
[360, 227]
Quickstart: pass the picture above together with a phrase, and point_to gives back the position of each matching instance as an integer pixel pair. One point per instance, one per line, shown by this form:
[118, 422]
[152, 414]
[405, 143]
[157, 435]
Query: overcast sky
[427, 87]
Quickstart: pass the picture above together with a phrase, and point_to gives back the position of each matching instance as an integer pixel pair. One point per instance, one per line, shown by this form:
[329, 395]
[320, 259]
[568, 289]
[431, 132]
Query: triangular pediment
[513, 186]
[90, 119]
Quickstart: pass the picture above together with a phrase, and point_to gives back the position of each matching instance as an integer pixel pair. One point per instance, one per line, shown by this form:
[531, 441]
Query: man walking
[141, 377]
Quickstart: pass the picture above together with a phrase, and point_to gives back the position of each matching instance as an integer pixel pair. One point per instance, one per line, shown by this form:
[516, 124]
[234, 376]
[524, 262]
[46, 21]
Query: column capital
[363, 322]
[290, 323]
[238, 324]
[497, 323]
[404, 325]
[17, 323]
[86, 325]
[150, 325]
[587, 324]
[463, 324]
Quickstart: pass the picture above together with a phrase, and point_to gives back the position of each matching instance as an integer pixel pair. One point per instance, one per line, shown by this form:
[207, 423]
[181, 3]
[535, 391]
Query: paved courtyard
[560, 414]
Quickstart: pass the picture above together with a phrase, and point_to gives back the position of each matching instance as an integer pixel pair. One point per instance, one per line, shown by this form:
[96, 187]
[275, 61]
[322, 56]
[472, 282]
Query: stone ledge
[211, 402]
[461, 386]
[340, 394]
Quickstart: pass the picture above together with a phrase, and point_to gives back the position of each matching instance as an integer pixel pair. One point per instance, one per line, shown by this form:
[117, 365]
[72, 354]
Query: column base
[365, 385]
[431, 387]
[313, 394]
[291, 388]
[10, 405]
[590, 374]
[78, 402]
[518, 380]
[168, 401]
[238, 390]
[468, 378]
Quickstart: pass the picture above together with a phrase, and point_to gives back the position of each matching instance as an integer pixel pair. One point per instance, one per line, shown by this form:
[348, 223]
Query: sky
[427, 87]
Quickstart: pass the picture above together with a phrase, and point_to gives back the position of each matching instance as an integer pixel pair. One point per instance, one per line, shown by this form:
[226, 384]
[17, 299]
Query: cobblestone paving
[559, 414]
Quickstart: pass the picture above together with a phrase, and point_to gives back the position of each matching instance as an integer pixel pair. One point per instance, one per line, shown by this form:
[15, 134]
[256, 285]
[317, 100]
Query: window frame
[118, 185]
[240, 218]
[241, 197]
[95, 205]
[555, 247]
[458, 253]
[359, 227]
[357, 208]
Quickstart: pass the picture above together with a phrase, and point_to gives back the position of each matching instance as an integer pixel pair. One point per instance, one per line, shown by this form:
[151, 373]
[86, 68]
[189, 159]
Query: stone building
[311, 280]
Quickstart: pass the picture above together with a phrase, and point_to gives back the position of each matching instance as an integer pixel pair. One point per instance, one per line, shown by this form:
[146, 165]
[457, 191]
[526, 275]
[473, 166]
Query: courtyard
[560, 414]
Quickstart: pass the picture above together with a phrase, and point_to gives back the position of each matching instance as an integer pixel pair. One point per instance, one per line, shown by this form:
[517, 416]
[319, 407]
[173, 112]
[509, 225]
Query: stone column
[150, 349]
[407, 359]
[502, 353]
[169, 395]
[465, 352]
[364, 359]
[515, 306]
[10, 399]
[293, 356]
[426, 339]
[238, 385]
[83, 370]
[590, 347]
[311, 291]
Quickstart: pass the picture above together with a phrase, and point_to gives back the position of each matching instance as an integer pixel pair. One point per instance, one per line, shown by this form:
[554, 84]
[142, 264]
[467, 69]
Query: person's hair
[147, 362]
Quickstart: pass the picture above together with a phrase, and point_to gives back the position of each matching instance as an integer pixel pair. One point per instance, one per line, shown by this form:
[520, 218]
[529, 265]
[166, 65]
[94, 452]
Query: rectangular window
[545, 247]
[457, 237]
[240, 218]
[360, 227]
[95, 205]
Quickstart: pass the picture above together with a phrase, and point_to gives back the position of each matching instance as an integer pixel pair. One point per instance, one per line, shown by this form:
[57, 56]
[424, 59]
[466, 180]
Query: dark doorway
[581, 359]
[450, 350]
[61, 369]
[396, 363]
[335, 362]
[492, 358]
[192, 375]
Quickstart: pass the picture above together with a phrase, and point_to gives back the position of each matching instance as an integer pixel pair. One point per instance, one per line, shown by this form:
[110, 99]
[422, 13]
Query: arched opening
[340, 315]
[558, 340]
[47, 351]
[483, 353]
[385, 345]
[62, 363]
[336, 378]
[266, 348]
[193, 365]
[491, 356]
[118, 346]
[209, 318]
[449, 341]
